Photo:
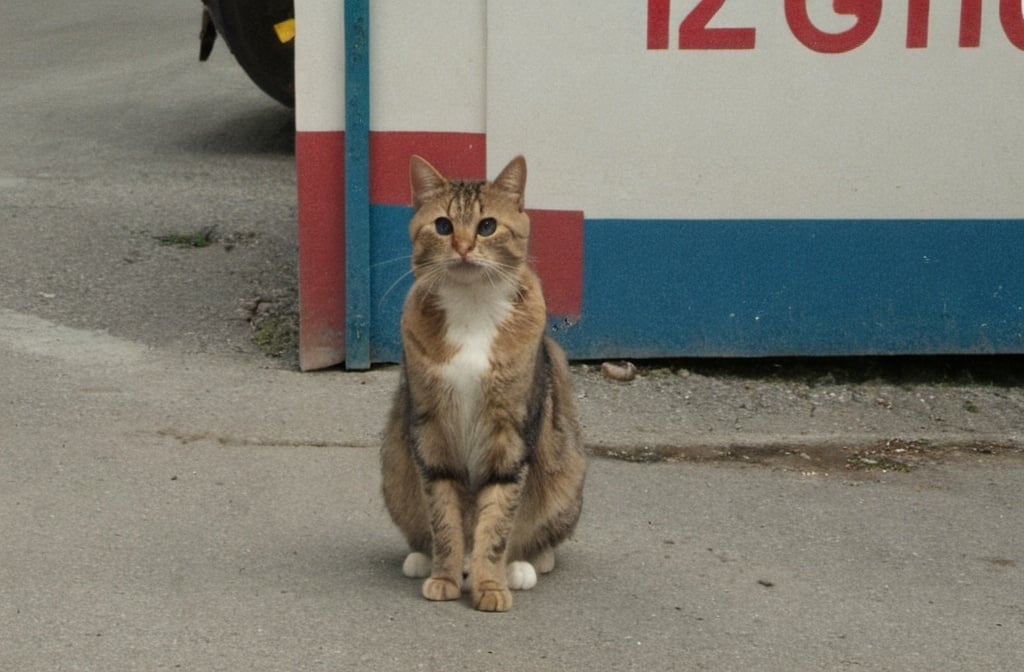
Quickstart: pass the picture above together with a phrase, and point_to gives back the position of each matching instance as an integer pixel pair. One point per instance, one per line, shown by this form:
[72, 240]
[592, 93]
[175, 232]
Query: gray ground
[173, 498]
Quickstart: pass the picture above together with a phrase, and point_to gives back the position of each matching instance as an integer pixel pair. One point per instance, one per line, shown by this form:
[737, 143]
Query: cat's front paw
[488, 596]
[441, 588]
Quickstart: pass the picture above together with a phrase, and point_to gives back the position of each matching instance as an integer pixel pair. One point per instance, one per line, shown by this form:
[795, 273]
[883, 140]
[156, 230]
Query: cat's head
[468, 232]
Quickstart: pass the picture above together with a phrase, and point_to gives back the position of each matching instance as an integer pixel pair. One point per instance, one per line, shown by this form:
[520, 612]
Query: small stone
[622, 372]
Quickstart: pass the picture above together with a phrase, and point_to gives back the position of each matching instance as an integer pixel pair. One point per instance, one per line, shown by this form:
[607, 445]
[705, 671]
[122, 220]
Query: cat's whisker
[394, 284]
[489, 275]
[502, 273]
[434, 275]
[385, 262]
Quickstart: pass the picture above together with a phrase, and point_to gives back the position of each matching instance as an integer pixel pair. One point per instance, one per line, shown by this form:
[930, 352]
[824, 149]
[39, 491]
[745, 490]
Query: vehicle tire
[247, 27]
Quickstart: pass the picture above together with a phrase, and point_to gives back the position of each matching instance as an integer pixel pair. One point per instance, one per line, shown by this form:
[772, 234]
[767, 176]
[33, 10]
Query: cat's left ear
[512, 180]
[424, 180]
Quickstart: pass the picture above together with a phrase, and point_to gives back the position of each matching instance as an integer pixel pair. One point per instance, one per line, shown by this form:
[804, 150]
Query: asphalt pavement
[171, 497]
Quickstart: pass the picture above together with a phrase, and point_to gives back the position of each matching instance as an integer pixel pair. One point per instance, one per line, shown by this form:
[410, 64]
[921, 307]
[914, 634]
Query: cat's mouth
[464, 264]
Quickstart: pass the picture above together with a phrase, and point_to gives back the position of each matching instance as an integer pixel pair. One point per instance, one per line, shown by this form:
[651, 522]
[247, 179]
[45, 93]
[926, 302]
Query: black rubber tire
[247, 26]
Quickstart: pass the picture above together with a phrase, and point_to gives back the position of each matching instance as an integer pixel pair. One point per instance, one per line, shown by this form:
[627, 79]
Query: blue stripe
[357, 185]
[799, 287]
[758, 288]
[390, 277]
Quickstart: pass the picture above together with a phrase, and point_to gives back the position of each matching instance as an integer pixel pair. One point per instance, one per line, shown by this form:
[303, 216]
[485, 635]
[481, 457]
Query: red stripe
[320, 178]
[556, 245]
[458, 155]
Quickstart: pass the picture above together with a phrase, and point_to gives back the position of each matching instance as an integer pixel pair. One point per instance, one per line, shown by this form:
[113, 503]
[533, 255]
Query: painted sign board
[708, 178]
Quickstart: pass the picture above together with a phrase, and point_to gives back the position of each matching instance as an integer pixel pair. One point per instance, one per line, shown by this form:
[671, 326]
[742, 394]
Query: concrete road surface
[173, 499]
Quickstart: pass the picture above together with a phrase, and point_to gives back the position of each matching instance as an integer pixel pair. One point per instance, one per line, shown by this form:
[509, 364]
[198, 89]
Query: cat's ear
[512, 179]
[425, 181]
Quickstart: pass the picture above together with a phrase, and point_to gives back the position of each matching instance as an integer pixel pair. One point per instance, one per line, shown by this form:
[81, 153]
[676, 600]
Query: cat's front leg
[445, 580]
[496, 504]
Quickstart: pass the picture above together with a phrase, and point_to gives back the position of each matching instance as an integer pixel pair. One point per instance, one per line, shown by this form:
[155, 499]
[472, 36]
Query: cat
[482, 456]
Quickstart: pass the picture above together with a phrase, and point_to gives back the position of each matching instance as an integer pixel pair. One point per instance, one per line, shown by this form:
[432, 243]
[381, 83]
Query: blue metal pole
[357, 184]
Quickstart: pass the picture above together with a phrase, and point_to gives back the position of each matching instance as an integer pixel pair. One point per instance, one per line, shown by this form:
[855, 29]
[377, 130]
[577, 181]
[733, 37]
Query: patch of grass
[881, 463]
[276, 335]
[203, 237]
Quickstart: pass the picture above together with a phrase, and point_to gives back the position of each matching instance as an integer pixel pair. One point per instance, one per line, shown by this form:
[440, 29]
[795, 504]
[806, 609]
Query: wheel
[247, 27]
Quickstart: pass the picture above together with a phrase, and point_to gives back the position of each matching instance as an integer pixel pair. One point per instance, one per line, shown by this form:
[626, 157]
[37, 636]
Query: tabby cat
[482, 457]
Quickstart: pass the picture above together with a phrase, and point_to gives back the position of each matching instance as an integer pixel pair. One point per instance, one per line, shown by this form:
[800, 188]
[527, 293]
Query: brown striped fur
[482, 456]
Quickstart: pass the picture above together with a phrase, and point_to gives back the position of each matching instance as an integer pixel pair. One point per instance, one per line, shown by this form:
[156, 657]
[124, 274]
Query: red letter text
[695, 34]
[970, 23]
[917, 23]
[657, 23]
[868, 13]
[1011, 15]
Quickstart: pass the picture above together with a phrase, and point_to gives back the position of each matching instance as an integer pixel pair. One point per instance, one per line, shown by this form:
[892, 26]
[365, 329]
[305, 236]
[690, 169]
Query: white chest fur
[473, 314]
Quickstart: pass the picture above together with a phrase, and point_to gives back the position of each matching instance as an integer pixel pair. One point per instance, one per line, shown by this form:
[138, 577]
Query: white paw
[416, 565]
[521, 576]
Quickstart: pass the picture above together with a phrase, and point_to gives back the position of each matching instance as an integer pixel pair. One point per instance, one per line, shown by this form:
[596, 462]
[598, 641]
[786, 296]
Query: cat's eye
[487, 226]
[444, 226]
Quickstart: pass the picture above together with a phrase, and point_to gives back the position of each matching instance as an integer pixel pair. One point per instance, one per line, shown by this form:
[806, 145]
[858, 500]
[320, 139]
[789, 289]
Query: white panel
[319, 65]
[427, 65]
[617, 130]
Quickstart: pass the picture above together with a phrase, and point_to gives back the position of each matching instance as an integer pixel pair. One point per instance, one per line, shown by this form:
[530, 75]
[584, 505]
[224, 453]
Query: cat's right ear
[425, 181]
